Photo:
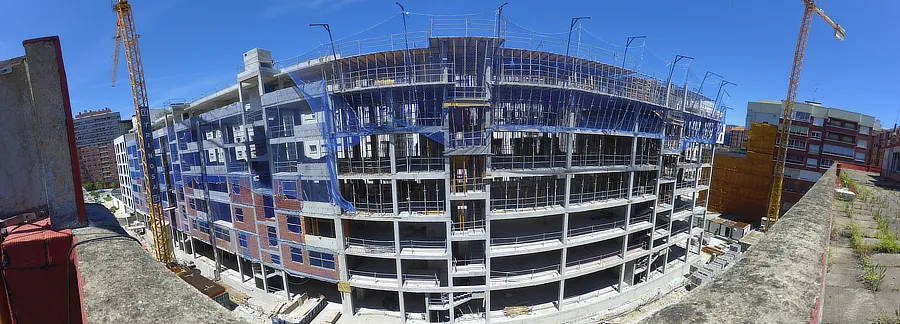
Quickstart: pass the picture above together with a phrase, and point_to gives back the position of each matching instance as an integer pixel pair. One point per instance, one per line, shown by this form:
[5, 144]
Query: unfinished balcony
[594, 257]
[468, 259]
[467, 177]
[647, 153]
[596, 225]
[539, 299]
[527, 150]
[423, 240]
[467, 219]
[369, 196]
[372, 272]
[370, 156]
[525, 270]
[416, 153]
[638, 244]
[592, 287]
[598, 190]
[369, 238]
[520, 236]
[542, 194]
[592, 151]
[421, 197]
[644, 184]
[424, 273]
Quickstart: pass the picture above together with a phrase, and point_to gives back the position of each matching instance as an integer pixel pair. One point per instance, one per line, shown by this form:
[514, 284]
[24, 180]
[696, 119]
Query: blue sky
[192, 47]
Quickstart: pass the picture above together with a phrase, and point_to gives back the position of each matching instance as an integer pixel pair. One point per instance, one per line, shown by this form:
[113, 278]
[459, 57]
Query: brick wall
[283, 231]
[281, 201]
[305, 267]
[249, 223]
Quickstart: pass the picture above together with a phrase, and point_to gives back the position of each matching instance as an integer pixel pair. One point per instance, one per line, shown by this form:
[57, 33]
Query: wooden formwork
[741, 183]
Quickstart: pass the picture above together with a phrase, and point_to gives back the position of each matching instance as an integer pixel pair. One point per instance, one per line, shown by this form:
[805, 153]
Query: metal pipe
[627, 44]
[333, 54]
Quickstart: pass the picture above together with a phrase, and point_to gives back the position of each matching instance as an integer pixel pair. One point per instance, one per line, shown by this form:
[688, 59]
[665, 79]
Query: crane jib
[149, 156]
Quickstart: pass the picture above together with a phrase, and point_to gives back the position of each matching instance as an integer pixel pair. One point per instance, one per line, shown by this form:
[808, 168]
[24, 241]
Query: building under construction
[464, 173]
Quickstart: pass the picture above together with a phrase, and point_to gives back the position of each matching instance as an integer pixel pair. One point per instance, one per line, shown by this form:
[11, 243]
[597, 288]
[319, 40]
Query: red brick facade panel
[283, 201]
[251, 251]
[284, 229]
[304, 267]
[249, 223]
[245, 194]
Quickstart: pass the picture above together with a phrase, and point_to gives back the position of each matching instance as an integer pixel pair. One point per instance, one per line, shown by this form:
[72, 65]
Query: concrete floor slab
[886, 259]
[847, 305]
[842, 255]
[844, 276]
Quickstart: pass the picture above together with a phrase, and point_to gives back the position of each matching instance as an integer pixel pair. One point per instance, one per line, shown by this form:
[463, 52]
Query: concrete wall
[778, 280]
[37, 168]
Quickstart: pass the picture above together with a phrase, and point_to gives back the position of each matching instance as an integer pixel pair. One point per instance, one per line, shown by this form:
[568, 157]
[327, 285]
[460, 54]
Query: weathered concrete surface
[36, 169]
[777, 281]
[124, 284]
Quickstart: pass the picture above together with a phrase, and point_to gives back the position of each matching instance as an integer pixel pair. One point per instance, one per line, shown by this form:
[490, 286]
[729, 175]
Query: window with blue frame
[242, 239]
[289, 189]
[296, 255]
[204, 226]
[223, 234]
[217, 183]
[236, 186]
[293, 224]
[194, 223]
[192, 202]
[276, 259]
[239, 214]
[316, 190]
[273, 236]
[322, 260]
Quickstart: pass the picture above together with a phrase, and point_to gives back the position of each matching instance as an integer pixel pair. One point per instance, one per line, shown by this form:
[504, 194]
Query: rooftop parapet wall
[778, 280]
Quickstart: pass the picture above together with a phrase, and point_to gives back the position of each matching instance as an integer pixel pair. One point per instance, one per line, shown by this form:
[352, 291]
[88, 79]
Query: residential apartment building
[735, 136]
[819, 136]
[95, 131]
[123, 167]
[430, 189]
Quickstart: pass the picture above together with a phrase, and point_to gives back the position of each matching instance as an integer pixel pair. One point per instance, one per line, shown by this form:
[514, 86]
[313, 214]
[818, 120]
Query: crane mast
[126, 32]
[785, 125]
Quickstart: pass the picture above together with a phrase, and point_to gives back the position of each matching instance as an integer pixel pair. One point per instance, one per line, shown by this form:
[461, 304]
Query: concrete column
[402, 306]
[193, 248]
[240, 266]
[398, 261]
[284, 278]
[265, 276]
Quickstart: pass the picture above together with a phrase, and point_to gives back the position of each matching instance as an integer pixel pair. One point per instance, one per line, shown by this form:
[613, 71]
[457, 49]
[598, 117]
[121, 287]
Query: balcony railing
[577, 264]
[642, 190]
[534, 238]
[372, 275]
[420, 164]
[601, 160]
[424, 207]
[527, 202]
[499, 162]
[586, 230]
[364, 166]
[371, 246]
[524, 274]
[596, 196]
[373, 206]
[423, 244]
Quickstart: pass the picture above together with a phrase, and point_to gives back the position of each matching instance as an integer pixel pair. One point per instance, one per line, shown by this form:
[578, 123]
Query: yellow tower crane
[783, 132]
[126, 34]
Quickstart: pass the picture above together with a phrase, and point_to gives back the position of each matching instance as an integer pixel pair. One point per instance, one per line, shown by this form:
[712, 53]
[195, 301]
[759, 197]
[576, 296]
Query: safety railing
[577, 264]
[671, 144]
[371, 246]
[372, 275]
[286, 166]
[396, 74]
[238, 166]
[516, 203]
[423, 244]
[422, 207]
[477, 224]
[600, 160]
[668, 172]
[499, 162]
[467, 262]
[522, 275]
[364, 166]
[373, 205]
[420, 164]
[642, 190]
[534, 238]
[467, 184]
[278, 131]
[597, 196]
[638, 219]
[638, 246]
[646, 159]
[422, 278]
[586, 230]
[688, 183]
